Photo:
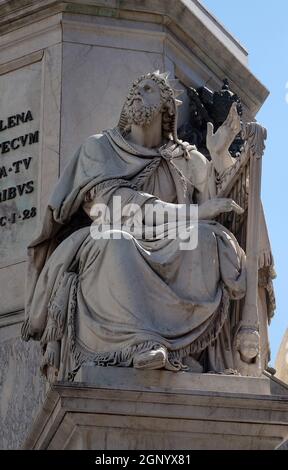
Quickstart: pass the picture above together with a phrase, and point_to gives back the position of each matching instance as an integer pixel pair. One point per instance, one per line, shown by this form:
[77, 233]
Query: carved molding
[192, 26]
[11, 318]
[21, 62]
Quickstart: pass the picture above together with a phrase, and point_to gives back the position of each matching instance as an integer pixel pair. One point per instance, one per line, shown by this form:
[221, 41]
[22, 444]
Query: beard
[140, 115]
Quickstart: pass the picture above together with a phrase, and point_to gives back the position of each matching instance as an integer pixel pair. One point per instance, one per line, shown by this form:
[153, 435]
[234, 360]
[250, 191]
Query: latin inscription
[15, 120]
[21, 141]
[20, 110]
[20, 169]
[17, 167]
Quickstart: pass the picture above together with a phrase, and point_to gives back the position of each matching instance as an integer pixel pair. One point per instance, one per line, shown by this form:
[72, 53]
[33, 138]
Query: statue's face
[147, 93]
[249, 345]
[144, 103]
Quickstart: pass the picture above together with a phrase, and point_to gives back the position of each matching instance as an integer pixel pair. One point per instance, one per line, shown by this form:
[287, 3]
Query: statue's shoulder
[198, 157]
[199, 163]
[198, 168]
[94, 143]
[94, 139]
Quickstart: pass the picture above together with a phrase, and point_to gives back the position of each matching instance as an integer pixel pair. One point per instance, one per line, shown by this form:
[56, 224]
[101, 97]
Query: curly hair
[166, 90]
[167, 100]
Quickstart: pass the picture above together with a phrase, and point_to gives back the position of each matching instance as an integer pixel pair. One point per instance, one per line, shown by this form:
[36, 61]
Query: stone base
[115, 408]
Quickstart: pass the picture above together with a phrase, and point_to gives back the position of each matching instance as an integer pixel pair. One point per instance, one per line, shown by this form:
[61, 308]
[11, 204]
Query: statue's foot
[154, 359]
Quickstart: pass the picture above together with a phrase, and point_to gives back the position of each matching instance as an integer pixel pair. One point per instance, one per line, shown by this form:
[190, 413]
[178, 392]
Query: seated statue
[130, 297]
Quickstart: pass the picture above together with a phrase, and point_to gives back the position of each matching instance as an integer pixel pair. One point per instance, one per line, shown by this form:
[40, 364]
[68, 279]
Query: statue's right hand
[214, 207]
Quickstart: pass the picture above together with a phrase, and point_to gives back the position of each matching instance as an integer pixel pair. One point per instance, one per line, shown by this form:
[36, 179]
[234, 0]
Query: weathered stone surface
[20, 92]
[188, 22]
[97, 415]
[40, 72]
[164, 381]
[94, 108]
[22, 389]
[283, 445]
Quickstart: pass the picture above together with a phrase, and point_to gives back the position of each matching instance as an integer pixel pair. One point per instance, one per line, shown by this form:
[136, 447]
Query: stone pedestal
[115, 408]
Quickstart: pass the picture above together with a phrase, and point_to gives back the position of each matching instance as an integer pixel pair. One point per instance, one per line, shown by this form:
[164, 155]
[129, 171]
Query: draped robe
[102, 301]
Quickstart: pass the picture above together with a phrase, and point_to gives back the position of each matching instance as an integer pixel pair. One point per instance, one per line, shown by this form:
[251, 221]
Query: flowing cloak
[104, 300]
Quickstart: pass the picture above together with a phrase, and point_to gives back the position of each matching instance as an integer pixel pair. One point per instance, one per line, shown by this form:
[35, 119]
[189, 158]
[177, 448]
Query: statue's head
[150, 95]
[247, 343]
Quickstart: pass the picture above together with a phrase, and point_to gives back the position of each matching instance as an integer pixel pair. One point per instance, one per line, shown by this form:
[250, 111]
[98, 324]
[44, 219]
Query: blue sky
[261, 27]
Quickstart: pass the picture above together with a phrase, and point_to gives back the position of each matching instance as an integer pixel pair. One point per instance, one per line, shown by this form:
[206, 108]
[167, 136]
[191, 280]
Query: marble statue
[137, 300]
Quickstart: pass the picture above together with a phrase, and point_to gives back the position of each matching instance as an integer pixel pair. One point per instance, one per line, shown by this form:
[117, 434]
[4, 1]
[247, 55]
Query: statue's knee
[120, 245]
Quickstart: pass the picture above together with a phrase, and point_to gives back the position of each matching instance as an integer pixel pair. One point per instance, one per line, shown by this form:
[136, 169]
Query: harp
[242, 183]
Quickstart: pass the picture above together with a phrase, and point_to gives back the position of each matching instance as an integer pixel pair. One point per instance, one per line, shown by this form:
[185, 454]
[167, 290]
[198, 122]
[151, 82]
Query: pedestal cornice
[186, 20]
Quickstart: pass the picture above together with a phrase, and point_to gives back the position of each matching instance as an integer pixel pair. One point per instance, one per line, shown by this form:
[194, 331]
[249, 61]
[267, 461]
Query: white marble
[161, 380]
[95, 79]
[38, 86]
[30, 38]
[115, 33]
[12, 282]
[189, 22]
[86, 416]
[19, 378]
[50, 124]
[20, 92]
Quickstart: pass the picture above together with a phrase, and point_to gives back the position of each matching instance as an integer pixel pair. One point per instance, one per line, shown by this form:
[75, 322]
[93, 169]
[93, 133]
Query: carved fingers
[233, 120]
[210, 139]
[235, 207]
[228, 205]
[218, 143]
[214, 207]
[210, 130]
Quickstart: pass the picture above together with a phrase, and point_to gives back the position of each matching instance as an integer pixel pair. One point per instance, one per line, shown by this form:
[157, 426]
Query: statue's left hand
[219, 143]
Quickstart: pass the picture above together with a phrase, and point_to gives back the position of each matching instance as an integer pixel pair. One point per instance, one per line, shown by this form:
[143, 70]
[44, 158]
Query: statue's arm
[132, 206]
[201, 173]
[115, 203]
[124, 205]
